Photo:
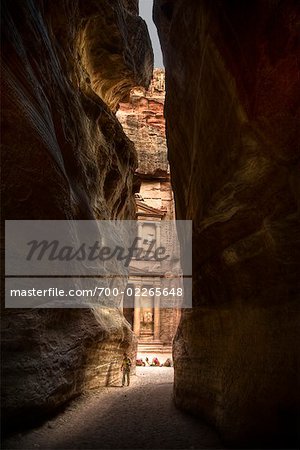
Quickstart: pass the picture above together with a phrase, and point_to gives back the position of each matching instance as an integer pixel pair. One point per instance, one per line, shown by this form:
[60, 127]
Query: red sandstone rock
[66, 64]
[232, 113]
[143, 122]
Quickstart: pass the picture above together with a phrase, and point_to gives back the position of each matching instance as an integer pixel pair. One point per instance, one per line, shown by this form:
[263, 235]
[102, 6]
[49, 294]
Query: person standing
[126, 365]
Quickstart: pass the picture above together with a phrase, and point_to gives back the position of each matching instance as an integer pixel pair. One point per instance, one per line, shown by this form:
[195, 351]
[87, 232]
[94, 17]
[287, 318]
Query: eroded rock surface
[143, 121]
[232, 112]
[66, 65]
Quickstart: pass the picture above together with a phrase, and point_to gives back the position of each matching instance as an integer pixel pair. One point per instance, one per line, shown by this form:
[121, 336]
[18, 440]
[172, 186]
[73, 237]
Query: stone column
[139, 229]
[137, 318]
[158, 237]
[156, 316]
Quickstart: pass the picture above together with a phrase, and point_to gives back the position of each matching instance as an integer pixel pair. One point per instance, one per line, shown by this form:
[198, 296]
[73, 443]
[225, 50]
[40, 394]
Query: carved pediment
[144, 210]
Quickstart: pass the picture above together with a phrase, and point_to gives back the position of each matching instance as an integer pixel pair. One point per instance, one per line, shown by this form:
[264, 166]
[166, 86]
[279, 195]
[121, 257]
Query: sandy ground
[141, 416]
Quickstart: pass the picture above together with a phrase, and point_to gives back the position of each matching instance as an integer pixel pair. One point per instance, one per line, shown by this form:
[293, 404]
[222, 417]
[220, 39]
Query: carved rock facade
[143, 121]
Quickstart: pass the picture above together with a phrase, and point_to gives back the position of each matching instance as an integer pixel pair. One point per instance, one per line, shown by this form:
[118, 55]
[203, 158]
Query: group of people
[126, 366]
[155, 362]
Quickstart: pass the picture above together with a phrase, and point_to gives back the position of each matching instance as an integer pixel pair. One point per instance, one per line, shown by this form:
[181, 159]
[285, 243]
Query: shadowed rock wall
[65, 66]
[232, 115]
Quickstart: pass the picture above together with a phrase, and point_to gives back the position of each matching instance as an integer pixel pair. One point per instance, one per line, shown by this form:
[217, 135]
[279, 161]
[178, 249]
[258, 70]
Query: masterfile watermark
[93, 292]
[92, 263]
[141, 249]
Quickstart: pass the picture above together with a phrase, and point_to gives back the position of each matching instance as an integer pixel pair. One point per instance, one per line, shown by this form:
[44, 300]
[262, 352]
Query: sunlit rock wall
[66, 65]
[232, 112]
[142, 118]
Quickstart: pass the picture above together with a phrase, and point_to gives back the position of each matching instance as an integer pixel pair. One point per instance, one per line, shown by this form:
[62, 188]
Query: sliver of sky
[146, 13]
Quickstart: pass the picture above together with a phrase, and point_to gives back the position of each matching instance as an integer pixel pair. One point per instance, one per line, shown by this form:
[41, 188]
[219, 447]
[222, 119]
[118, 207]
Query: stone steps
[154, 347]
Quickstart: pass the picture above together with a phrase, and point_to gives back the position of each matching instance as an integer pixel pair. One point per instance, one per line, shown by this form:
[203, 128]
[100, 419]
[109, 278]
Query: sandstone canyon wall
[232, 114]
[66, 65]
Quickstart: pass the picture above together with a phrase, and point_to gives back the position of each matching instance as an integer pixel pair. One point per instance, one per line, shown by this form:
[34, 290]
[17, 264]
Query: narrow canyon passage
[139, 416]
[95, 131]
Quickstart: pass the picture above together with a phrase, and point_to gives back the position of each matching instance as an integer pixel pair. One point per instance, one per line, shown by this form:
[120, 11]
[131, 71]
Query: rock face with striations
[66, 66]
[232, 114]
[143, 121]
